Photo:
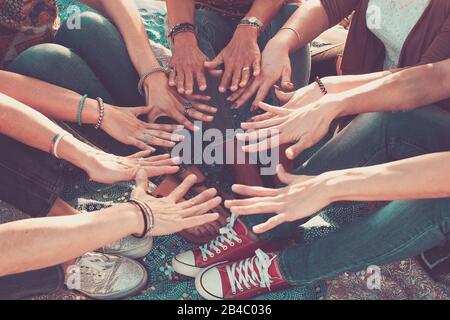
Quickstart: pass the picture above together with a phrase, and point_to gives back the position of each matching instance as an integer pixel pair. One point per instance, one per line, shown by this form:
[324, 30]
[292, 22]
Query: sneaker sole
[185, 269]
[198, 285]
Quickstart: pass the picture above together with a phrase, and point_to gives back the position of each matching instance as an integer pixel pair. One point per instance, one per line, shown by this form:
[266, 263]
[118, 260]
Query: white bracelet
[56, 140]
[146, 75]
[295, 31]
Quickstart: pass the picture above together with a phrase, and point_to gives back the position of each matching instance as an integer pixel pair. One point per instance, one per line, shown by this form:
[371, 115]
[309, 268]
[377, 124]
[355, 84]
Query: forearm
[38, 243]
[53, 101]
[423, 177]
[265, 10]
[30, 127]
[180, 12]
[309, 21]
[405, 90]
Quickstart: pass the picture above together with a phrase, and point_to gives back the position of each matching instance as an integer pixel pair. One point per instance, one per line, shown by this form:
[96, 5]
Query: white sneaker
[130, 247]
[106, 277]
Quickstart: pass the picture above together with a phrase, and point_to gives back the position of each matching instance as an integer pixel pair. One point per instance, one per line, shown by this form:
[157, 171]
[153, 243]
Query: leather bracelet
[146, 75]
[180, 28]
[101, 113]
[147, 215]
[321, 86]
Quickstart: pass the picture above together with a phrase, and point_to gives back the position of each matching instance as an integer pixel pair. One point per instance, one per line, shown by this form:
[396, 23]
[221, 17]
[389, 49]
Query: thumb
[138, 111]
[286, 83]
[283, 96]
[285, 177]
[293, 151]
[141, 188]
[215, 63]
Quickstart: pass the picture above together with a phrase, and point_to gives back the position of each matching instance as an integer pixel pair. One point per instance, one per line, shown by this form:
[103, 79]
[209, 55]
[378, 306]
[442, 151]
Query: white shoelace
[94, 265]
[227, 238]
[247, 275]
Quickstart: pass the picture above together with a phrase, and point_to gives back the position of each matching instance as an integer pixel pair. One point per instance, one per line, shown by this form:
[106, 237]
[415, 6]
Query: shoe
[241, 280]
[106, 277]
[130, 247]
[235, 242]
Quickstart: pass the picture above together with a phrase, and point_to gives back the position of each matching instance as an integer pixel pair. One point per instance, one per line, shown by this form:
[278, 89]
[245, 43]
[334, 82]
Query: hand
[173, 214]
[123, 125]
[239, 57]
[107, 168]
[303, 127]
[276, 65]
[187, 64]
[302, 197]
[167, 102]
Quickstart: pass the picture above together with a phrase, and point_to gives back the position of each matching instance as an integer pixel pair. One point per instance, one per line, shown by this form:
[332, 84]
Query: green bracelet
[80, 109]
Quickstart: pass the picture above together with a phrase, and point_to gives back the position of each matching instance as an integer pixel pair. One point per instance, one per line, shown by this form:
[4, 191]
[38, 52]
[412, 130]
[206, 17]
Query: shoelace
[95, 265]
[247, 276]
[227, 236]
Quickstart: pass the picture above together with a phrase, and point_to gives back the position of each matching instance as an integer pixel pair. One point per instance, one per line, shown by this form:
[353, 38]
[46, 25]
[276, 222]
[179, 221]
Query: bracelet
[147, 215]
[321, 86]
[295, 31]
[146, 75]
[180, 28]
[101, 113]
[55, 143]
[80, 109]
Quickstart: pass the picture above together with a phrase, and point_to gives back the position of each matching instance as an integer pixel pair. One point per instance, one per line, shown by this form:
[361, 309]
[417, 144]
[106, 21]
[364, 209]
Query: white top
[392, 21]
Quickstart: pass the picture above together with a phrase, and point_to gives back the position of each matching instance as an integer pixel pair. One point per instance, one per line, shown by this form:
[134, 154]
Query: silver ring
[246, 69]
[146, 138]
[187, 106]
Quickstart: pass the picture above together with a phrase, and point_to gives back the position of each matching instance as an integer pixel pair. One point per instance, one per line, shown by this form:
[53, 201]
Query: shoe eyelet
[232, 244]
[205, 259]
[211, 255]
[218, 251]
[225, 248]
[239, 241]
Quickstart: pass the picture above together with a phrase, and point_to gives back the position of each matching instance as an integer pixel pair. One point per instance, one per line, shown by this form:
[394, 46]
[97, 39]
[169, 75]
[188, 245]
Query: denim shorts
[30, 180]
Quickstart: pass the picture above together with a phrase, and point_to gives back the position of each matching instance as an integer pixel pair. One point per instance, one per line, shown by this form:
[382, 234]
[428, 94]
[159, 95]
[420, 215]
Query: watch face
[253, 20]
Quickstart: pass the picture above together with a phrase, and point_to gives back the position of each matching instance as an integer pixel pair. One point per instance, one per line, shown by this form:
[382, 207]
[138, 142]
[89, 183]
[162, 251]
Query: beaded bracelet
[80, 109]
[101, 114]
[321, 86]
[146, 75]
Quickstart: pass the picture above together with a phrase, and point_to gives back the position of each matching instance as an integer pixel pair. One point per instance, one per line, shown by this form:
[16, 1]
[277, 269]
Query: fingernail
[203, 88]
[234, 106]
[276, 87]
[221, 89]
[229, 98]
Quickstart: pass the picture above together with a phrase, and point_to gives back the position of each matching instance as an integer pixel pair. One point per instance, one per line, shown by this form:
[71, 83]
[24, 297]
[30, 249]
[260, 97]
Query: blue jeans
[216, 31]
[398, 230]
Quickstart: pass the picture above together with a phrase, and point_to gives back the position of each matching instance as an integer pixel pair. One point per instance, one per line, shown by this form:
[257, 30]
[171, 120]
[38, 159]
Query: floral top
[235, 9]
[23, 24]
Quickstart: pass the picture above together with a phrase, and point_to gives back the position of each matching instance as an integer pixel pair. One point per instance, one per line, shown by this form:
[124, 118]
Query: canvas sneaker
[241, 280]
[235, 242]
[106, 277]
[130, 247]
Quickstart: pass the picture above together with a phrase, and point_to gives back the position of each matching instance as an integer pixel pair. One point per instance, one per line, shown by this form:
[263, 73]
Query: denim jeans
[398, 230]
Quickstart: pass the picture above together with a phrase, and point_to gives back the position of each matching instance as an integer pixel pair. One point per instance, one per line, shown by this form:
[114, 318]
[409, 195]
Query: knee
[91, 26]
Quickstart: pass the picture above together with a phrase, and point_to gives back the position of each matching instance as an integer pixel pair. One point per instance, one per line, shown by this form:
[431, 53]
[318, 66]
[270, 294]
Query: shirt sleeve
[440, 47]
[337, 10]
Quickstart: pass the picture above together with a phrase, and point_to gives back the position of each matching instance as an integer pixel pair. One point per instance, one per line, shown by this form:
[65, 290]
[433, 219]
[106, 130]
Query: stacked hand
[173, 214]
[302, 197]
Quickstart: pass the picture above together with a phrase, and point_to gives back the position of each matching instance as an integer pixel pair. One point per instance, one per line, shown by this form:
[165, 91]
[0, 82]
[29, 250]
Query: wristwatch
[252, 21]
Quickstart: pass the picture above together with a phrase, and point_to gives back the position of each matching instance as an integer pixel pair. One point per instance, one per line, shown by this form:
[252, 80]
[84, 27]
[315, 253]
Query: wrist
[247, 32]
[135, 217]
[185, 39]
[278, 45]
[74, 151]
[342, 185]
[155, 80]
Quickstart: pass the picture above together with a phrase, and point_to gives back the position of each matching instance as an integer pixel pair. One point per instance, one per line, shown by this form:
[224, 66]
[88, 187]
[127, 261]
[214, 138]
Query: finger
[166, 135]
[264, 145]
[216, 73]
[262, 117]
[178, 116]
[197, 97]
[201, 80]
[236, 94]
[270, 224]
[164, 127]
[272, 109]
[236, 78]
[140, 154]
[155, 171]
[202, 208]
[295, 150]
[138, 111]
[258, 135]
[246, 75]
[205, 108]
[139, 144]
[189, 83]
[158, 157]
[215, 63]
[257, 208]
[202, 197]
[261, 94]
[155, 141]
[257, 67]
[197, 115]
[286, 83]
[179, 192]
[285, 177]
[199, 220]
[283, 96]
[180, 82]
[257, 125]
[166, 162]
[141, 187]
[248, 93]
[254, 191]
[172, 79]
[225, 83]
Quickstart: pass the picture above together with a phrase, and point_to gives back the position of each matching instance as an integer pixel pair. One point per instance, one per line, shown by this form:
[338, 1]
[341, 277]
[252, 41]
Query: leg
[372, 139]
[60, 66]
[101, 46]
[400, 230]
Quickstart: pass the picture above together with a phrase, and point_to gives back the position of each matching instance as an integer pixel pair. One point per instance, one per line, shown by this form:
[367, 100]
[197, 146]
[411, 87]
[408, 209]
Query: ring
[187, 106]
[246, 69]
[146, 137]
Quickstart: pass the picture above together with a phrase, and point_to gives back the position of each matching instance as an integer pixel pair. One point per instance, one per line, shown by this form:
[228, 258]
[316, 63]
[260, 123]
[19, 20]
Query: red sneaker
[235, 242]
[241, 280]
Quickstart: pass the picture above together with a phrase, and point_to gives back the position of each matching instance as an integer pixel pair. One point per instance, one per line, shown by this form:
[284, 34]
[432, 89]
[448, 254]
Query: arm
[423, 177]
